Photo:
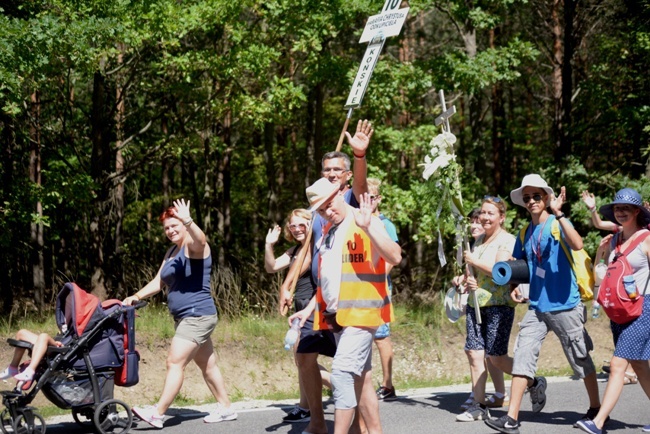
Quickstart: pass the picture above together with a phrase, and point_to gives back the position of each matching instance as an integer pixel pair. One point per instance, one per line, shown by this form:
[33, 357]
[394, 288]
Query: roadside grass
[422, 333]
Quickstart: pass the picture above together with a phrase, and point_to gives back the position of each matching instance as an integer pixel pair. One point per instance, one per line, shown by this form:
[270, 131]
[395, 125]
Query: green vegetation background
[111, 109]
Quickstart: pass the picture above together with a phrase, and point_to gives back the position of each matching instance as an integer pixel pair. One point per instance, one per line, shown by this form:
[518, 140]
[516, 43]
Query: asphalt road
[416, 411]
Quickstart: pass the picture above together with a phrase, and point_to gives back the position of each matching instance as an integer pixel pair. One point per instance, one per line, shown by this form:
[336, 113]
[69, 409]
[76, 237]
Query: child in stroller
[80, 370]
[39, 344]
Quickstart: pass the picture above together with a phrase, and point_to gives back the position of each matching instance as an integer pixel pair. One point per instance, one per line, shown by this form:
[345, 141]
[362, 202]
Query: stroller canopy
[76, 308]
[79, 314]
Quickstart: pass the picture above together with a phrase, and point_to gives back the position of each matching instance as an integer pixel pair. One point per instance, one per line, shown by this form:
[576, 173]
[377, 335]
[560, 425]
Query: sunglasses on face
[298, 226]
[373, 197]
[492, 198]
[535, 197]
[623, 208]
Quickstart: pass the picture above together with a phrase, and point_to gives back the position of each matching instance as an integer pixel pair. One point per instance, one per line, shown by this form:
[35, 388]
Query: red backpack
[612, 295]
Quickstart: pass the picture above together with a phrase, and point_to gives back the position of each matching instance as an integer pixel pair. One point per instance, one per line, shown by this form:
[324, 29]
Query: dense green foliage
[111, 109]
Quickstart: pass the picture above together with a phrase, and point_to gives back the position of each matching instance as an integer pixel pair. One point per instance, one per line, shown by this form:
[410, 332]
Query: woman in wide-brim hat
[626, 196]
[631, 340]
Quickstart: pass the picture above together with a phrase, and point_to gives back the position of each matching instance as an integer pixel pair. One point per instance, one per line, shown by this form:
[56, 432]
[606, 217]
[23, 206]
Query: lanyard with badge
[539, 271]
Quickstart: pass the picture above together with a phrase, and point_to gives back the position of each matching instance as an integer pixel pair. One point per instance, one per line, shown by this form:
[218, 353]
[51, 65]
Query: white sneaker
[150, 415]
[220, 415]
[8, 373]
[474, 412]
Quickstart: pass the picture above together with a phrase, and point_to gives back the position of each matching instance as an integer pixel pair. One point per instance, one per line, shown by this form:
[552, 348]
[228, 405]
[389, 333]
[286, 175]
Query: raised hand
[359, 143]
[558, 201]
[273, 235]
[182, 211]
[588, 199]
[363, 215]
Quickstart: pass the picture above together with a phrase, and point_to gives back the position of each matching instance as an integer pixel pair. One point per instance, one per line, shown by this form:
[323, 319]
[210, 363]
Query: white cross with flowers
[441, 160]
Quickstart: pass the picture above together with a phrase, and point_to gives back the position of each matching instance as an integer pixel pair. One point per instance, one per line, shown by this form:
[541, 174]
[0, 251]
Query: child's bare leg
[39, 350]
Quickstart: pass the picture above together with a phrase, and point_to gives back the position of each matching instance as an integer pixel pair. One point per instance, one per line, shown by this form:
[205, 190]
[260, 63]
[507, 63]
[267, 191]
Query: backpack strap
[522, 236]
[638, 240]
[555, 231]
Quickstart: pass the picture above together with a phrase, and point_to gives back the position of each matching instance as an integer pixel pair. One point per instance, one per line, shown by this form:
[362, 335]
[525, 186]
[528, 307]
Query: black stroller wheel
[87, 413]
[113, 416]
[23, 424]
[7, 422]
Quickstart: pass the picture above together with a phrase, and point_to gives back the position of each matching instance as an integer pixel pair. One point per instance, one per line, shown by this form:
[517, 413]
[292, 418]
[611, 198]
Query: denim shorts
[569, 327]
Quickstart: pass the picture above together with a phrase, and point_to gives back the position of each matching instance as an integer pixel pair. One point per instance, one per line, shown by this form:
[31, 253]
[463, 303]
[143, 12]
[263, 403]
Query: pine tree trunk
[37, 241]
[118, 192]
[556, 79]
[100, 167]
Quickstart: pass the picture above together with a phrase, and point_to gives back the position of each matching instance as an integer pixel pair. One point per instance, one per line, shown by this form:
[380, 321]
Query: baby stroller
[98, 352]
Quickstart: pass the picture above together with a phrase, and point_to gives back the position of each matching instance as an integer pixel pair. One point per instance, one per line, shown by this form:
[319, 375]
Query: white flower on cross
[442, 151]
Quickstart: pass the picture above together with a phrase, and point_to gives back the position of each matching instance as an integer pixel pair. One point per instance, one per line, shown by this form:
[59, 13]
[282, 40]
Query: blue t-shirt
[319, 224]
[553, 287]
[189, 286]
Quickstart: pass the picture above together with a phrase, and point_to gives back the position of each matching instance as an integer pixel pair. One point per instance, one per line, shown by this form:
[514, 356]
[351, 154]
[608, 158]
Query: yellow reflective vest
[363, 298]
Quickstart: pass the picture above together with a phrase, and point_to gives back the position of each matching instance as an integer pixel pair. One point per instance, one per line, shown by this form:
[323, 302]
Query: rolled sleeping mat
[511, 272]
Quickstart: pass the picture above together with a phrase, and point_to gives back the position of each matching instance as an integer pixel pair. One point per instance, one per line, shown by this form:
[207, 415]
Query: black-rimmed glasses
[535, 197]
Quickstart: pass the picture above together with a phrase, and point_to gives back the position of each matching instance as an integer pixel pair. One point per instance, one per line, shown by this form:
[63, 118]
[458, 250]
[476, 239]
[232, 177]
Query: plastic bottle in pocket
[630, 287]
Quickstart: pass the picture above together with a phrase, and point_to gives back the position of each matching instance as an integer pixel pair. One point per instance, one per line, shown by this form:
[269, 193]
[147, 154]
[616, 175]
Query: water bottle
[78, 393]
[292, 334]
[595, 309]
[630, 286]
[599, 272]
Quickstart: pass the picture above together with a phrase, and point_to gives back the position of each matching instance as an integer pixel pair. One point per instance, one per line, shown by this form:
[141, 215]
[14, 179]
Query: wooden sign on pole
[378, 27]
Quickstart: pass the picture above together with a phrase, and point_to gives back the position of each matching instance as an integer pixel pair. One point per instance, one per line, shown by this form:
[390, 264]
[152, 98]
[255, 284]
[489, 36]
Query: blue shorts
[493, 334]
[632, 340]
[383, 331]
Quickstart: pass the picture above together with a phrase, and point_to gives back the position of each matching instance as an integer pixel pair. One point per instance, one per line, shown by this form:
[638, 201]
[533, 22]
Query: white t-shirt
[330, 252]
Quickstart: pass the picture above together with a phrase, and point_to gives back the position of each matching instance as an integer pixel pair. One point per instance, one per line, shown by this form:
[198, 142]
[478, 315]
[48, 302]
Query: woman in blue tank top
[186, 273]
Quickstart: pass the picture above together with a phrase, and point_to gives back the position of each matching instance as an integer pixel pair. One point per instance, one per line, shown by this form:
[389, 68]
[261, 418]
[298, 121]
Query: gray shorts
[569, 327]
[354, 350]
[196, 328]
[353, 357]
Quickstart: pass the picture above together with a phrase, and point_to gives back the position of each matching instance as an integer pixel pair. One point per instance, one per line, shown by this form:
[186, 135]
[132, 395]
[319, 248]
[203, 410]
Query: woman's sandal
[467, 404]
[630, 378]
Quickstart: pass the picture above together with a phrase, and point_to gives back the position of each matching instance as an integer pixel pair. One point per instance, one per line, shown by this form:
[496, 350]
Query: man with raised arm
[352, 297]
[336, 167]
[555, 303]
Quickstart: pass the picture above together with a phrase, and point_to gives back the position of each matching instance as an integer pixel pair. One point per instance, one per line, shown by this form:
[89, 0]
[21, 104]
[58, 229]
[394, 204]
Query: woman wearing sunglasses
[490, 338]
[296, 230]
